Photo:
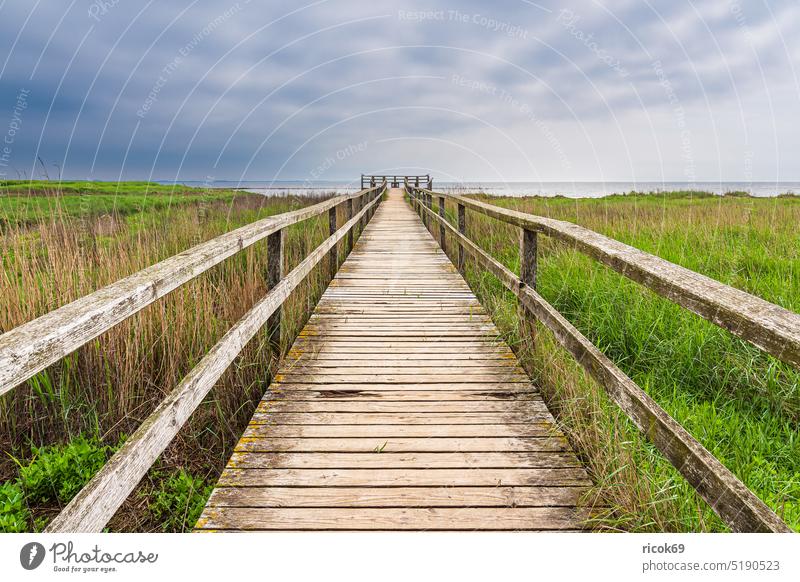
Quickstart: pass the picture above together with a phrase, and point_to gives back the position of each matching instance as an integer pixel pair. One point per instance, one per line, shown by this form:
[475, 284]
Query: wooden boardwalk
[399, 408]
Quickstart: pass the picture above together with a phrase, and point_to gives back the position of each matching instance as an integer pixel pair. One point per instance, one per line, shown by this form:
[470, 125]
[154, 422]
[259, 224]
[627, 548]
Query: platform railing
[770, 327]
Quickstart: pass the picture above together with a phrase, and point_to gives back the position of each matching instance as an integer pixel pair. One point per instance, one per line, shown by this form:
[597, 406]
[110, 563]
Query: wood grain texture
[405, 518]
[397, 497]
[399, 406]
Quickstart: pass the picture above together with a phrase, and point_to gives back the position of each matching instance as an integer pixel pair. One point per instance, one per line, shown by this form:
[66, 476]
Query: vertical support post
[429, 205]
[527, 256]
[442, 232]
[274, 275]
[333, 254]
[527, 275]
[462, 228]
[348, 216]
[356, 208]
[362, 202]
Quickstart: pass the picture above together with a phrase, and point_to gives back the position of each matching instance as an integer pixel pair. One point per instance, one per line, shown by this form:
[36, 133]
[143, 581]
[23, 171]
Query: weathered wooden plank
[402, 406]
[397, 496]
[402, 444]
[427, 346]
[428, 477]
[389, 431]
[388, 460]
[378, 334]
[417, 394]
[394, 418]
[501, 376]
[352, 364]
[324, 357]
[453, 518]
[483, 387]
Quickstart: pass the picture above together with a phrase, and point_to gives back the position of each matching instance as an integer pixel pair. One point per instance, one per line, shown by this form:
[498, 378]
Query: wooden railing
[395, 180]
[29, 348]
[768, 326]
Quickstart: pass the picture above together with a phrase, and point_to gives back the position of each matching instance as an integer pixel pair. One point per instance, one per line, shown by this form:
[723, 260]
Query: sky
[511, 90]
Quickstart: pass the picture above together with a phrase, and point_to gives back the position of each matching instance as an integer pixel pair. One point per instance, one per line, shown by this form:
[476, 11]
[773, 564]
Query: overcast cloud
[511, 90]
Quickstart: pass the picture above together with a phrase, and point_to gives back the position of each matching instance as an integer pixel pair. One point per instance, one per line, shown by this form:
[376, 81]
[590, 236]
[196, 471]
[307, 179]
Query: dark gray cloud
[513, 90]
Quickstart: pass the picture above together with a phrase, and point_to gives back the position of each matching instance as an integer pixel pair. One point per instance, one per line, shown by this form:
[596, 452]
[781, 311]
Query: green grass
[50, 477]
[75, 187]
[56, 473]
[178, 500]
[29, 202]
[15, 516]
[743, 405]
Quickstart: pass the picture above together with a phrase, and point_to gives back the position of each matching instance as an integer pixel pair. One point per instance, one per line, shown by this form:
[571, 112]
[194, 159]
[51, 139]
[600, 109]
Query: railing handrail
[731, 499]
[772, 328]
[98, 500]
[31, 347]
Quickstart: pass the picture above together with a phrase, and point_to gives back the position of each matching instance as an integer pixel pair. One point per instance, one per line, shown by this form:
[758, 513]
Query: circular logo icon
[31, 555]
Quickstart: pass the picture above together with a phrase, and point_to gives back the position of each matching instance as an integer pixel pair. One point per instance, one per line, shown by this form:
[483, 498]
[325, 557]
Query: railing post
[462, 228]
[429, 204]
[356, 208]
[274, 275]
[527, 256]
[362, 202]
[349, 215]
[527, 275]
[442, 232]
[333, 254]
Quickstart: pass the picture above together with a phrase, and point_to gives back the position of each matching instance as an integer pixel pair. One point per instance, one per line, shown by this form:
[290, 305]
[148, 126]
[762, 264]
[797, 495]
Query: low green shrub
[58, 472]
[178, 501]
[14, 513]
